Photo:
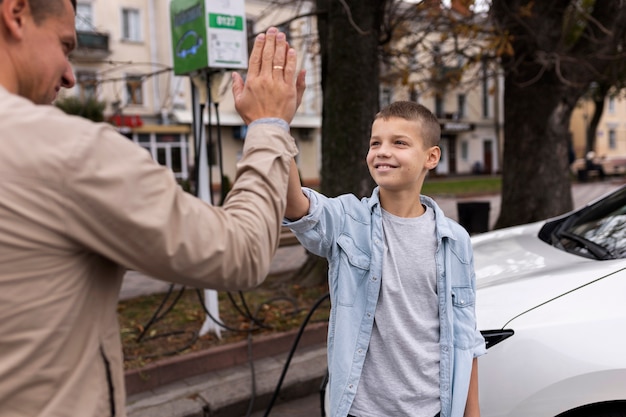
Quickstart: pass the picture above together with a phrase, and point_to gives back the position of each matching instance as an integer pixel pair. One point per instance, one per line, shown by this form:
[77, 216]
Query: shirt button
[445, 348]
[369, 314]
[360, 351]
[350, 386]
[374, 279]
[444, 387]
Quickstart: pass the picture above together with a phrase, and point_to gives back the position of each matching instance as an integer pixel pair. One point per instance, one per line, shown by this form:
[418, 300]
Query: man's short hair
[41, 9]
[409, 110]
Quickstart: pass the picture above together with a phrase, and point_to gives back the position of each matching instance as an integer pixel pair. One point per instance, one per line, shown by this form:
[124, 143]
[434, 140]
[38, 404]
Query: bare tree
[559, 47]
[551, 51]
[349, 33]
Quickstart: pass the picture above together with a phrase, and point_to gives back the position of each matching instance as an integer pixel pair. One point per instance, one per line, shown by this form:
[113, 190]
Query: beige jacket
[80, 204]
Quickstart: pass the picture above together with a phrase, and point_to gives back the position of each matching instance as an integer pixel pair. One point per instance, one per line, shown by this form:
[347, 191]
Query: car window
[597, 231]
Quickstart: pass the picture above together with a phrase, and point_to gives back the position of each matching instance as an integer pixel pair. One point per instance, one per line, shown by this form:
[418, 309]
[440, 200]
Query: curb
[221, 381]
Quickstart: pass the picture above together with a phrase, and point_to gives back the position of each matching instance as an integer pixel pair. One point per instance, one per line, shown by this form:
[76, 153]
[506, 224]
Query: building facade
[124, 58]
[432, 68]
[610, 140]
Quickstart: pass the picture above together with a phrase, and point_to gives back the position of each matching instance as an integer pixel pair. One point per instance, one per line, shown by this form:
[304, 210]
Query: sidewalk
[226, 391]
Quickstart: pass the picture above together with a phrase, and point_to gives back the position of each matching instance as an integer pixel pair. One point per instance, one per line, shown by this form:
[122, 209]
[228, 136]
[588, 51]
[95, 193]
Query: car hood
[516, 272]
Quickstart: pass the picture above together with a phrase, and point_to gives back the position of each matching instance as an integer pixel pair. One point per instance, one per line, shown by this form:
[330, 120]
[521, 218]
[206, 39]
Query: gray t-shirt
[401, 372]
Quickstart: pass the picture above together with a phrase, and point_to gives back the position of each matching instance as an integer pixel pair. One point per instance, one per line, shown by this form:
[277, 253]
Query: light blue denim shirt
[349, 233]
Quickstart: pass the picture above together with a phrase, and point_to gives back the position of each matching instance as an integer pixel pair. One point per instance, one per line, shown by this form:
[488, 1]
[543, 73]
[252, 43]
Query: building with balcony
[124, 58]
[466, 98]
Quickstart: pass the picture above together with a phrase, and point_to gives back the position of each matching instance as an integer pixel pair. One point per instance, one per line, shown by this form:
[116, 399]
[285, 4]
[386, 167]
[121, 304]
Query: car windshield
[597, 231]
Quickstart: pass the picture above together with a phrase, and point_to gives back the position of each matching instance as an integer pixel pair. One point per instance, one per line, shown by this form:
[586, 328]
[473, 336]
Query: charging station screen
[208, 34]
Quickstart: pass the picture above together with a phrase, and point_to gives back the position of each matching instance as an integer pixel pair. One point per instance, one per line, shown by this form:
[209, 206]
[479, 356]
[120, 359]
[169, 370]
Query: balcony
[91, 46]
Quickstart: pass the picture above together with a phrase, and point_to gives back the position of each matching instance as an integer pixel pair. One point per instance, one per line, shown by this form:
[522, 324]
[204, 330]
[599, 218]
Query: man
[80, 204]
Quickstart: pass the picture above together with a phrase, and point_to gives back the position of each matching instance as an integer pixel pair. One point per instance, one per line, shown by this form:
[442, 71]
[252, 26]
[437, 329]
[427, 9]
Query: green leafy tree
[90, 108]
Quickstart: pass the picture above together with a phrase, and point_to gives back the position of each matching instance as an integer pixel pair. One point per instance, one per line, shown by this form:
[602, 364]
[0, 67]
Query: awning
[233, 119]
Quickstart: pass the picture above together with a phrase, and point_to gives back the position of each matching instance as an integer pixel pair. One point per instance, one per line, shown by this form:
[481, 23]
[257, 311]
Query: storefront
[167, 144]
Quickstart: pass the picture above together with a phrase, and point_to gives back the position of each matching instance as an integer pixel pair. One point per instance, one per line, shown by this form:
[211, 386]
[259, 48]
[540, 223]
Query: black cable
[209, 143]
[197, 139]
[156, 316]
[292, 351]
[247, 314]
[219, 154]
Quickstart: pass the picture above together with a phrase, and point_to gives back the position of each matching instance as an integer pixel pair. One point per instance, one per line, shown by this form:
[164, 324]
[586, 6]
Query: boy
[402, 338]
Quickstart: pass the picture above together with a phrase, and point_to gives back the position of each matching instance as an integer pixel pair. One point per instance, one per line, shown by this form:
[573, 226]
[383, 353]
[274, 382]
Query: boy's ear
[433, 154]
[13, 14]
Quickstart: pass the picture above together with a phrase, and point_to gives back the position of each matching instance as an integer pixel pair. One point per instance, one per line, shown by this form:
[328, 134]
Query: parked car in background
[611, 164]
[551, 304]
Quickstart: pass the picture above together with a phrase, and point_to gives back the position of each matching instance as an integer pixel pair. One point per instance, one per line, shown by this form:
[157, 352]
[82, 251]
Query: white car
[551, 302]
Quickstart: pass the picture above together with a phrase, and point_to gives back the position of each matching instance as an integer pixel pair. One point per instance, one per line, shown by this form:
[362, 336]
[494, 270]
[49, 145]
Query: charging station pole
[207, 35]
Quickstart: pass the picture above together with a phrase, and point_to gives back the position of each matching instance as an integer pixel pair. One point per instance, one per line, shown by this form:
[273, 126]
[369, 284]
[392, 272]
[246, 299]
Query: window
[460, 60]
[168, 149]
[460, 112]
[439, 106]
[86, 85]
[611, 105]
[437, 58]
[612, 139]
[464, 150]
[84, 17]
[131, 28]
[134, 89]
[386, 96]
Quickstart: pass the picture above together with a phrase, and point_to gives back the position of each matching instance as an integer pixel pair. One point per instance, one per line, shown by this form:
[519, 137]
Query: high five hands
[272, 88]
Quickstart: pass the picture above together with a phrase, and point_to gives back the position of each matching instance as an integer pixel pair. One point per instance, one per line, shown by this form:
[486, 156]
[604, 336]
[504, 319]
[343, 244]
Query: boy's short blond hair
[409, 110]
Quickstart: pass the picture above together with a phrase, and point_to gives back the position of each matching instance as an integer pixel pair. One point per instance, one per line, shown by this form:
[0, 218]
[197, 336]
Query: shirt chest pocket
[353, 267]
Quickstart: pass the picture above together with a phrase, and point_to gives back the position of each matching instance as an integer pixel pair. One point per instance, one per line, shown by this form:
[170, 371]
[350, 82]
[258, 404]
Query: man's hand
[271, 88]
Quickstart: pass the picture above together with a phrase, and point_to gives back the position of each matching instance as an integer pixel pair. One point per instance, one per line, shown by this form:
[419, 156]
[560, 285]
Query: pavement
[222, 381]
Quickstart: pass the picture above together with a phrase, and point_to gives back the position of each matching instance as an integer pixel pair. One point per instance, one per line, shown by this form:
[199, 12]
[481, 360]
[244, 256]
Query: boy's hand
[271, 88]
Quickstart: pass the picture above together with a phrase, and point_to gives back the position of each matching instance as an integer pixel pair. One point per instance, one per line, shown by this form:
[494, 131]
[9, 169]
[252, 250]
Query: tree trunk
[349, 34]
[557, 52]
[598, 108]
[535, 181]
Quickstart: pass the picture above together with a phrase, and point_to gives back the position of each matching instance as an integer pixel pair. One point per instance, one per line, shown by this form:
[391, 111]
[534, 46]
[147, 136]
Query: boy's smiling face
[397, 158]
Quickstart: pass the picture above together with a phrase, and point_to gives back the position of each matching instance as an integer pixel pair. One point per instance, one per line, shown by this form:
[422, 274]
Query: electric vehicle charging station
[208, 35]
[208, 38]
